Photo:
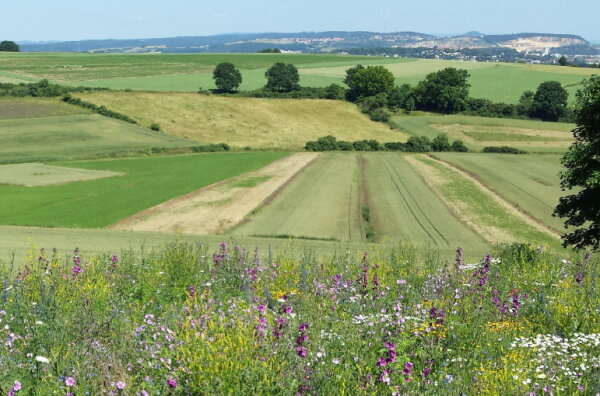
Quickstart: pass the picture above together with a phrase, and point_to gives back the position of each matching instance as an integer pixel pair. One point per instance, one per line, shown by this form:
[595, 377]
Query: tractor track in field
[392, 172]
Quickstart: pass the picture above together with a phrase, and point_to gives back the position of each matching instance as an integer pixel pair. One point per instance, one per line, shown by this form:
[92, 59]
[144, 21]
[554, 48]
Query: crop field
[393, 197]
[322, 203]
[501, 82]
[404, 207]
[529, 182]
[146, 181]
[479, 132]
[241, 122]
[488, 214]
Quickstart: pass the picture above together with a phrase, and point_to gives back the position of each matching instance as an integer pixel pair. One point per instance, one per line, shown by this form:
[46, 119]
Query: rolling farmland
[406, 208]
[241, 122]
[493, 218]
[501, 82]
[145, 182]
[408, 198]
[530, 182]
[479, 132]
[322, 203]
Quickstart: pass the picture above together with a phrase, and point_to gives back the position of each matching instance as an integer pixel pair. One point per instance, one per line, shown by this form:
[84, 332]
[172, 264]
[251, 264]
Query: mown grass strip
[478, 208]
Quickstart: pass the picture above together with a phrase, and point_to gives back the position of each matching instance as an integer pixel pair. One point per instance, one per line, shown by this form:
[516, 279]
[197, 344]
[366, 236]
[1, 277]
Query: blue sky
[42, 20]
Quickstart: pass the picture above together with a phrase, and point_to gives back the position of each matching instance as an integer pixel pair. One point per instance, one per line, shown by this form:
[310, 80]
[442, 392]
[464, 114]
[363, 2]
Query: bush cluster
[333, 91]
[414, 144]
[40, 89]
[503, 150]
[97, 109]
[211, 148]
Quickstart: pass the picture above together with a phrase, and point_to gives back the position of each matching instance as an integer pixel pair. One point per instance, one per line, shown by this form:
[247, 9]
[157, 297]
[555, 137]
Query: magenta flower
[172, 383]
[70, 381]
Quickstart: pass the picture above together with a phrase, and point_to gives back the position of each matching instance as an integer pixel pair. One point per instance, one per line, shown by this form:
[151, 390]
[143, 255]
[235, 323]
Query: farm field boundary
[215, 208]
[531, 183]
[495, 219]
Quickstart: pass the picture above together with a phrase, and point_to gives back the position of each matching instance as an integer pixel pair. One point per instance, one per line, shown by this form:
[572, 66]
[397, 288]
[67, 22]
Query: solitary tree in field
[445, 91]
[9, 46]
[227, 77]
[549, 101]
[282, 78]
[582, 163]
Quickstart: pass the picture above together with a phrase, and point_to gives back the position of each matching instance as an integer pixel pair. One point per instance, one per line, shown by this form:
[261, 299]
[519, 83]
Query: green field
[530, 182]
[501, 82]
[13, 108]
[323, 202]
[76, 136]
[258, 123]
[479, 132]
[406, 208]
[492, 220]
[408, 197]
[146, 182]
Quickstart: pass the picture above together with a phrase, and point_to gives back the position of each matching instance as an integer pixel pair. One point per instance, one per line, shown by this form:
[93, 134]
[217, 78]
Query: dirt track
[215, 208]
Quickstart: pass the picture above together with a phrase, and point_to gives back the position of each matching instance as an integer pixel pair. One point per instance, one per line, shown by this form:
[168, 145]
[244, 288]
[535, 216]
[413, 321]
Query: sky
[46, 20]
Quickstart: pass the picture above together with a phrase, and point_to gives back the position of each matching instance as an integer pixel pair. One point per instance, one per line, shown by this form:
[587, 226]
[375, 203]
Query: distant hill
[307, 42]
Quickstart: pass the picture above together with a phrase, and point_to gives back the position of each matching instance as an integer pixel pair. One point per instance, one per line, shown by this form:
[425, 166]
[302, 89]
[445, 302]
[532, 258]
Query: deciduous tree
[282, 78]
[444, 91]
[549, 101]
[582, 162]
[227, 77]
[9, 46]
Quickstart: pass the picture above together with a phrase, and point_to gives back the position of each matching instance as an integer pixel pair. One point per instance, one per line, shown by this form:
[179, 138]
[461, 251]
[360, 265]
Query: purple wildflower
[172, 383]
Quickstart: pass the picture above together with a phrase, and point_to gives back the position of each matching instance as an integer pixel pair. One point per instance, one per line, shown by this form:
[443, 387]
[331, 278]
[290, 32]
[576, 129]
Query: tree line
[374, 90]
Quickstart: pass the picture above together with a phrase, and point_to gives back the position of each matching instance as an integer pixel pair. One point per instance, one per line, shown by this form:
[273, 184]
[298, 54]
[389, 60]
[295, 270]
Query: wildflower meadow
[187, 320]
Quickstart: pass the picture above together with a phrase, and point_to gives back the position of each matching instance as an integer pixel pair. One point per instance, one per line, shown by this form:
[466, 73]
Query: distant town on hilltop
[474, 46]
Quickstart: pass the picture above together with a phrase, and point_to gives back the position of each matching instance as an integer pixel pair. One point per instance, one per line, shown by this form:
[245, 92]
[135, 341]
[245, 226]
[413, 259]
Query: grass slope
[146, 182]
[13, 108]
[258, 123]
[406, 208]
[322, 202]
[76, 136]
[530, 182]
[478, 132]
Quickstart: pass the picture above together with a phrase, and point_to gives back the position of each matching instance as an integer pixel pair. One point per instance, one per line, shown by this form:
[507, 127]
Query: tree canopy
[368, 81]
[582, 163]
[227, 77]
[9, 46]
[282, 78]
[549, 101]
[444, 91]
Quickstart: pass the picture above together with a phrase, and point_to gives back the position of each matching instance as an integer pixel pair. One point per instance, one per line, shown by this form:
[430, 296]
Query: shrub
[379, 115]
[503, 150]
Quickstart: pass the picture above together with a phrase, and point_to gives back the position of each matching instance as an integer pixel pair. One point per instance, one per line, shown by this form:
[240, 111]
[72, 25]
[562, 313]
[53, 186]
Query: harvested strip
[215, 208]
